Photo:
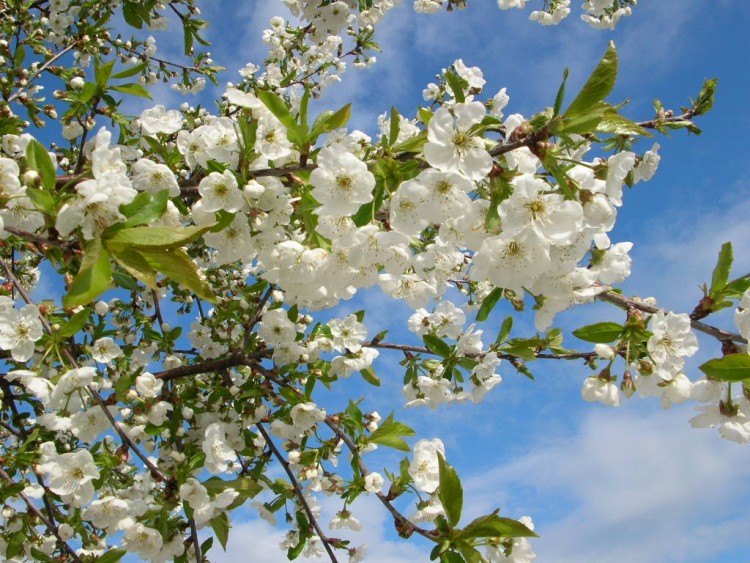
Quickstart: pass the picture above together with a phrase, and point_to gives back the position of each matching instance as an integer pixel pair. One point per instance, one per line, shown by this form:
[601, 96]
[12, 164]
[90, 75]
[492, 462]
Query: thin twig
[38, 513]
[155, 471]
[355, 452]
[626, 303]
[39, 70]
[298, 491]
[400, 518]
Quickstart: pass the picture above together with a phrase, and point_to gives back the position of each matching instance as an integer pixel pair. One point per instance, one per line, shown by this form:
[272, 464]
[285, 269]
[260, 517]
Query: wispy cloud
[637, 485]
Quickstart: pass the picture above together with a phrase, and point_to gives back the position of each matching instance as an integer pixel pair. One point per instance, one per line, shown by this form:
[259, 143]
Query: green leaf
[89, 91]
[156, 238]
[395, 126]
[705, 101]
[133, 89]
[144, 209]
[494, 526]
[94, 276]
[303, 105]
[488, 304]
[469, 552]
[723, 267]
[38, 158]
[132, 71]
[456, 84]
[737, 287]
[560, 94]
[598, 86]
[245, 486]
[112, 555]
[369, 375]
[132, 16]
[521, 350]
[732, 367]
[179, 267]
[124, 383]
[75, 323]
[437, 346]
[136, 265]
[389, 432]
[329, 121]
[451, 492]
[44, 201]
[413, 144]
[615, 124]
[505, 329]
[451, 557]
[103, 73]
[277, 106]
[583, 123]
[600, 333]
[220, 526]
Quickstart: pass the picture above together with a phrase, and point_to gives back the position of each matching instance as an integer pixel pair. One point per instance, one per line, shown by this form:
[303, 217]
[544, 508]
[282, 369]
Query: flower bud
[32, 179]
[76, 83]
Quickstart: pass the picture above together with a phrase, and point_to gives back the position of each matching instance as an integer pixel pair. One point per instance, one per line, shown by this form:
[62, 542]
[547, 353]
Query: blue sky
[633, 484]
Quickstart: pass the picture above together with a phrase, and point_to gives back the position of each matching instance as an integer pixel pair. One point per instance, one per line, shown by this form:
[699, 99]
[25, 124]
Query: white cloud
[632, 485]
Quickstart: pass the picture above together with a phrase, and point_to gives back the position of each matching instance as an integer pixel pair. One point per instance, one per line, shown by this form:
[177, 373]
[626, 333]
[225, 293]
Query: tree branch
[155, 471]
[298, 492]
[626, 303]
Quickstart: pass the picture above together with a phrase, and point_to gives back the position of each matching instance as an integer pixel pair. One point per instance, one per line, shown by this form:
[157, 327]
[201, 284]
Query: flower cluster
[200, 257]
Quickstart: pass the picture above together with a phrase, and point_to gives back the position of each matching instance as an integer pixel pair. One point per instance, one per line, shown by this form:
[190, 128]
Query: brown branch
[626, 303]
[204, 367]
[155, 471]
[502, 355]
[41, 69]
[298, 492]
[33, 237]
[355, 452]
[400, 518]
[53, 529]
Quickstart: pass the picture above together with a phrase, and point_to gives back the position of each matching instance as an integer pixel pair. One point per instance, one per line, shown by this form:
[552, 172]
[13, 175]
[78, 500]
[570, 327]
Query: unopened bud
[32, 179]
[627, 386]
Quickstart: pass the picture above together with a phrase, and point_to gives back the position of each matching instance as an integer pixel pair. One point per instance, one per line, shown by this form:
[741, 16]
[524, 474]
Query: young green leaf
[93, 278]
[75, 323]
[723, 268]
[560, 94]
[493, 525]
[395, 126]
[705, 101]
[179, 267]
[133, 89]
[369, 375]
[389, 432]
[733, 367]
[600, 333]
[38, 159]
[451, 492]
[135, 264]
[156, 238]
[245, 486]
[437, 346]
[220, 526]
[144, 209]
[488, 304]
[598, 86]
[505, 329]
[112, 555]
[277, 106]
[456, 84]
[131, 71]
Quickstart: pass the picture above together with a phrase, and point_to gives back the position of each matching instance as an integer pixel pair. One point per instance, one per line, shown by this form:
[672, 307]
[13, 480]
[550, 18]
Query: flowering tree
[176, 376]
